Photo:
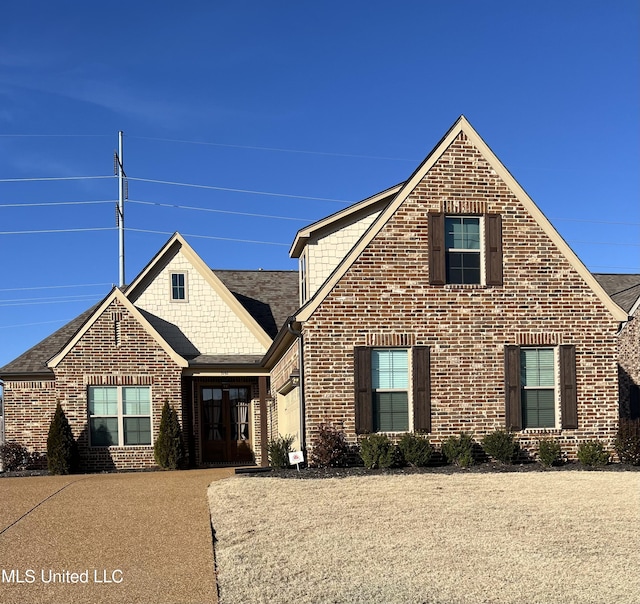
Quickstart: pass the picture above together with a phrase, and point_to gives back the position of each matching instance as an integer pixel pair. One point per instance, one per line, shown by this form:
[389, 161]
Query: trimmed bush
[377, 451]
[500, 445]
[330, 448]
[627, 443]
[62, 449]
[15, 457]
[278, 450]
[549, 452]
[592, 453]
[415, 449]
[459, 450]
[168, 449]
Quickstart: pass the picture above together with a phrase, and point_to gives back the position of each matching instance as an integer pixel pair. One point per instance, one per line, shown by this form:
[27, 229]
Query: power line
[57, 231]
[37, 323]
[54, 178]
[20, 289]
[181, 207]
[56, 135]
[278, 149]
[50, 300]
[208, 237]
[53, 203]
[231, 190]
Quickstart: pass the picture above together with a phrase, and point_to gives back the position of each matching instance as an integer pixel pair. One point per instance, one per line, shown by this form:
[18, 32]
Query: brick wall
[385, 297]
[116, 351]
[629, 362]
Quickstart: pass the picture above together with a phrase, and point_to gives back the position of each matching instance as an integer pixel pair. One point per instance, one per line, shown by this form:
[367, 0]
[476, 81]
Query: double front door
[225, 424]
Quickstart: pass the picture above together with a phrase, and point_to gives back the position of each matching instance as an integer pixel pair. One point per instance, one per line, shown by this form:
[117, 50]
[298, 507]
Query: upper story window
[465, 249]
[463, 252]
[304, 276]
[179, 287]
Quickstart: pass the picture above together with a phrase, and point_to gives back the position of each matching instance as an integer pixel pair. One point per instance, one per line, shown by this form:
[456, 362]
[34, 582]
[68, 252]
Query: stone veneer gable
[205, 320]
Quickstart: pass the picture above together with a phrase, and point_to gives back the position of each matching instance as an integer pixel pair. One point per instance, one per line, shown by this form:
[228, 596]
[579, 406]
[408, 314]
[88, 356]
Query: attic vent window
[178, 287]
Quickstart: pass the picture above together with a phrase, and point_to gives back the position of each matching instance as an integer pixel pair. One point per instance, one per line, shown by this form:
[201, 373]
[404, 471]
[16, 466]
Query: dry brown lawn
[548, 537]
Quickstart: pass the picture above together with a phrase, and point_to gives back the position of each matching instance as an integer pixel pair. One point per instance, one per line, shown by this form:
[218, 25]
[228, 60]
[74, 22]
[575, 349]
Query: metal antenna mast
[122, 195]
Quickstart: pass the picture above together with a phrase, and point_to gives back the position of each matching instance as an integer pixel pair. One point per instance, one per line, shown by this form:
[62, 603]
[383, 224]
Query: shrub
[14, 457]
[168, 449]
[592, 453]
[500, 445]
[459, 450]
[62, 449]
[279, 449]
[627, 444]
[549, 452]
[330, 448]
[377, 451]
[415, 449]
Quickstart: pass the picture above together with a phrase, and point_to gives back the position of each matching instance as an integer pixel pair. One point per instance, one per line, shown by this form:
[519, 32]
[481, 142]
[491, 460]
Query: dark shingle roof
[35, 359]
[624, 289]
[270, 297]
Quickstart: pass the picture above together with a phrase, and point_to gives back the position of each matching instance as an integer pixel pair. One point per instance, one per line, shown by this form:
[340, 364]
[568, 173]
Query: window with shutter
[537, 378]
[382, 389]
[465, 249]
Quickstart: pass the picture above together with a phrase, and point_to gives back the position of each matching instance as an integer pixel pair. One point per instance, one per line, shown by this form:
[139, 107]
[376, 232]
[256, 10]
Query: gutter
[303, 424]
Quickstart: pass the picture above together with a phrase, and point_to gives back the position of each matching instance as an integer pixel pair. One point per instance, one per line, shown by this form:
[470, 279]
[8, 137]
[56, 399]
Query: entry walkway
[107, 538]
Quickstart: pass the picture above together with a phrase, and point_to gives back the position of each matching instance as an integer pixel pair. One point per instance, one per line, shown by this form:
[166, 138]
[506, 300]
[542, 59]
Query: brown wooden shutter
[437, 251]
[421, 389]
[513, 404]
[568, 393]
[364, 402]
[493, 248]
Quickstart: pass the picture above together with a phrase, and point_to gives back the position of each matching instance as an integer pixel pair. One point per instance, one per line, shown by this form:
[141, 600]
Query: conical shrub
[168, 449]
[62, 449]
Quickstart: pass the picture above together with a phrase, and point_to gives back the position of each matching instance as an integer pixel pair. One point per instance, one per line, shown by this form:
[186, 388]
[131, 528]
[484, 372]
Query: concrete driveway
[102, 538]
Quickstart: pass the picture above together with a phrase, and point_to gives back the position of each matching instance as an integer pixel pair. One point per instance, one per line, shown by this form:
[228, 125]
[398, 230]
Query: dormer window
[178, 287]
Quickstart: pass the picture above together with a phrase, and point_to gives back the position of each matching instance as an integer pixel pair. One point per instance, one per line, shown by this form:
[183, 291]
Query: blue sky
[318, 103]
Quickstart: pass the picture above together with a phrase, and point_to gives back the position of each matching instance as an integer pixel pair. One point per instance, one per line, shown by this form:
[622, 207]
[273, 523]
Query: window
[462, 241]
[303, 277]
[389, 397]
[465, 249]
[119, 415]
[390, 384]
[178, 286]
[537, 377]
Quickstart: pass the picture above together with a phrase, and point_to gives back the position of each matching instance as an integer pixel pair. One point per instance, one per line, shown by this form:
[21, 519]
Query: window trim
[184, 287]
[120, 415]
[555, 389]
[480, 251]
[407, 390]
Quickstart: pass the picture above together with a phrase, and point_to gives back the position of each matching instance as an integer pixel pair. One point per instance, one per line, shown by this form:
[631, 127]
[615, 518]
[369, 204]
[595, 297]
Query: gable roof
[177, 242]
[34, 360]
[268, 296]
[624, 289]
[364, 207]
[115, 294]
[460, 126]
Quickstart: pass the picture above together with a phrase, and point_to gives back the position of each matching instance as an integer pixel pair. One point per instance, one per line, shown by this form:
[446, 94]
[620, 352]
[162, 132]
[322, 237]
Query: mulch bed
[482, 468]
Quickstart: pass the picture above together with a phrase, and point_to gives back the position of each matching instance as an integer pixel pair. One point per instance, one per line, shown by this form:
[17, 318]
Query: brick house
[445, 303]
[179, 332]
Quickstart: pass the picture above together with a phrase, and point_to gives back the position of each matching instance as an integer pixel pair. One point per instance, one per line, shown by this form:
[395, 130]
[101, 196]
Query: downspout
[303, 422]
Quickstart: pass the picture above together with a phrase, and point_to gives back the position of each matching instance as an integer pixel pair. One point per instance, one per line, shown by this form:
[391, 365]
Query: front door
[225, 424]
